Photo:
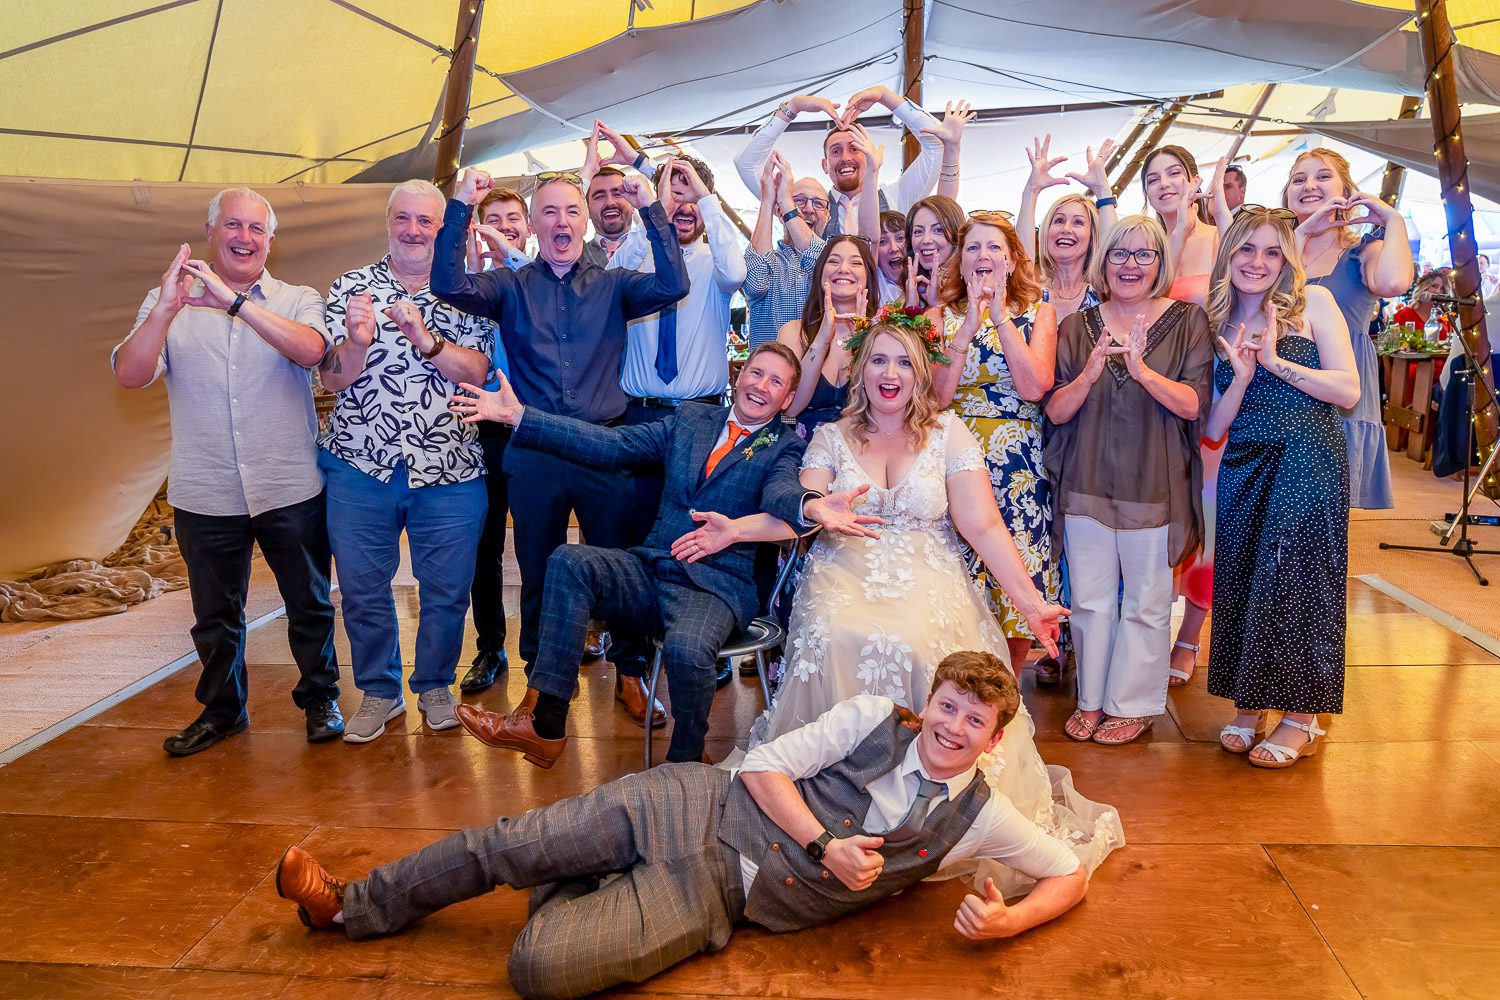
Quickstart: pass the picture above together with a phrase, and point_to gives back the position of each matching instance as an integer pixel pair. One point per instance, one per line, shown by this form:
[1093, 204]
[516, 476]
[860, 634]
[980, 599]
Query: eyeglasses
[980, 214]
[1275, 213]
[548, 176]
[1145, 257]
[804, 200]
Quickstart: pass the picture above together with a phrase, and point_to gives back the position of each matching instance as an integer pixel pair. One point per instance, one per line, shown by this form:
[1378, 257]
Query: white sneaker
[437, 707]
[369, 722]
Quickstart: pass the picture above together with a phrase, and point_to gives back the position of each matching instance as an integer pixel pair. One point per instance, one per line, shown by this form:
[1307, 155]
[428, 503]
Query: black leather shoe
[487, 666]
[324, 722]
[200, 736]
[726, 673]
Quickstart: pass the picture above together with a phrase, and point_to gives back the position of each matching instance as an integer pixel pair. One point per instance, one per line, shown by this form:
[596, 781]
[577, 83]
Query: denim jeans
[442, 524]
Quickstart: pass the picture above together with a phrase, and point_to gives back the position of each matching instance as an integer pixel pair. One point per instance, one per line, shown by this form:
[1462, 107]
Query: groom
[639, 874]
[736, 461]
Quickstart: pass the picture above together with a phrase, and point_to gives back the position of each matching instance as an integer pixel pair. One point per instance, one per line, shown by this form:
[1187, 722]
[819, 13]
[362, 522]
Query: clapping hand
[987, 916]
[1094, 176]
[359, 319]
[715, 534]
[473, 186]
[478, 404]
[1041, 165]
[1133, 347]
[835, 513]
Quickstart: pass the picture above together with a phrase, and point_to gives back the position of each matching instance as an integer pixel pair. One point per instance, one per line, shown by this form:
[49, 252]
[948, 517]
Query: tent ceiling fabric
[1410, 144]
[263, 91]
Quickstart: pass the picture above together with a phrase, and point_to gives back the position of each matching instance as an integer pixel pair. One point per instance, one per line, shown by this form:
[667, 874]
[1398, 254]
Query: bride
[877, 614]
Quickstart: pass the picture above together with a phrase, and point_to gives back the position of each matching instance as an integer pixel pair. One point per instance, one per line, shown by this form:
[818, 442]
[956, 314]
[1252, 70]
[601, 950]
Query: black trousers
[217, 552]
[543, 490]
[487, 594]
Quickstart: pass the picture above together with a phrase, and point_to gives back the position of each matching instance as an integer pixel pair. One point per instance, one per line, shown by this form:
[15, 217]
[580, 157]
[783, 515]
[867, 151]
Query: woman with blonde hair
[877, 615]
[1283, 525]
[1133, 383]
[1001, 342]
[1064, 248]
[1359, 271]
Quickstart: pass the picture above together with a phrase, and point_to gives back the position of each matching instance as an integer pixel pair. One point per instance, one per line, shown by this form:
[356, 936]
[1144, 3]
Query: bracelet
[640, 161]
[788, 216]
[234, 309]
[1106, 202]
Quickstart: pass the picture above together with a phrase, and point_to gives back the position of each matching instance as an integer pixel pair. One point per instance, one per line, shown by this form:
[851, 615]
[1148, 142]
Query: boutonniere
[765, 437]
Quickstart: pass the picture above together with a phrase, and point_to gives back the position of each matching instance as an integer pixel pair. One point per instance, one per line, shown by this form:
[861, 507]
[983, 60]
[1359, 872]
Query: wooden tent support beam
[911, 74]
[1395, 174]
[1249, 122]
[1453, 174]
[1138, 160]
[456, 92]
[1131, 138]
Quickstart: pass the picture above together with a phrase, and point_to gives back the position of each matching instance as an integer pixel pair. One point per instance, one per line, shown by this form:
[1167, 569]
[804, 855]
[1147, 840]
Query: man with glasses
[563, 323]
[777, 278]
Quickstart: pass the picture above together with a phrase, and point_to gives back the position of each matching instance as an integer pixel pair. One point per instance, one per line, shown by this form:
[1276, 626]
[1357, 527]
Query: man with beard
[235, 347]
[395, 458]
[611, 213]
[842, 160]
[563, 323]
[679, 355]
[777, 278]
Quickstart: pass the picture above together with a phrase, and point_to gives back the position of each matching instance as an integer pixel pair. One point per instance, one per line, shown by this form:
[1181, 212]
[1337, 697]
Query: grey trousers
[677, 889]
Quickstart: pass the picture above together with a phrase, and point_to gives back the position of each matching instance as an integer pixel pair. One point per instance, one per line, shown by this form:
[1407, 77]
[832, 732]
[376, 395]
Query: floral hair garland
[910, 317]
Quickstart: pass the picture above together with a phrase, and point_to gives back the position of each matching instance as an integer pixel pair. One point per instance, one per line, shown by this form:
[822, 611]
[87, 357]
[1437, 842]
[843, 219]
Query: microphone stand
[1464, 547]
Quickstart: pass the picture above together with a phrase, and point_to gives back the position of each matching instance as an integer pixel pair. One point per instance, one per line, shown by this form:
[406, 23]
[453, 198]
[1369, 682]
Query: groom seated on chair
[736, 461]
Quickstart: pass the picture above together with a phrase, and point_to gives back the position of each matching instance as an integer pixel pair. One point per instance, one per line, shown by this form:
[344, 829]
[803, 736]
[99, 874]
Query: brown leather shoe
[597, 643]
[631, 692]
[318, 895]
[511, 732]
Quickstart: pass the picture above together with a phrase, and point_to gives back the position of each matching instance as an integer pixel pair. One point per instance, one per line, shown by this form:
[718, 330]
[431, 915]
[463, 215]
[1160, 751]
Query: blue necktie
[666, 344]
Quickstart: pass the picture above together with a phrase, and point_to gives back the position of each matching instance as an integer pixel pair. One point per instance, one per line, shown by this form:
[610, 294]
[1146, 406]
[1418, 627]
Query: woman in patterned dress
[1001, 344]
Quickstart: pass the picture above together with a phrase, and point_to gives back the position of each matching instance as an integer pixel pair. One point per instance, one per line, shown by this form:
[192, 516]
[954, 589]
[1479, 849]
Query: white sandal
[1245, 734]
[1286, 756]
[1178, 677]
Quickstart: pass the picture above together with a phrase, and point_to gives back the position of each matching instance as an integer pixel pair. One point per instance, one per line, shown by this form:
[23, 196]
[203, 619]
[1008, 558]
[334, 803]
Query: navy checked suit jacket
[764, 482]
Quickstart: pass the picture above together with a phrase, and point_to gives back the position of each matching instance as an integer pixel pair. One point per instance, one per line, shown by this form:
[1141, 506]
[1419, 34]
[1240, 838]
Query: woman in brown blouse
[1133, 381]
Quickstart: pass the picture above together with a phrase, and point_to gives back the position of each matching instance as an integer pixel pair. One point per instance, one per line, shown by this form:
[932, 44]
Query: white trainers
[437, 707]
[369, 722]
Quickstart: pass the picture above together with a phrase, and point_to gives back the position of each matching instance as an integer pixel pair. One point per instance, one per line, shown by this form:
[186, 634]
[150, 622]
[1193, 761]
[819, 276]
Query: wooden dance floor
[1371, 870]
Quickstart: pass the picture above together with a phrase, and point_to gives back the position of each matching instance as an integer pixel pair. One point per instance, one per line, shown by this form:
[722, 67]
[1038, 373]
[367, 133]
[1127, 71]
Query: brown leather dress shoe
[597, 643]
[631, 692]
[318, 895]
[511, 732]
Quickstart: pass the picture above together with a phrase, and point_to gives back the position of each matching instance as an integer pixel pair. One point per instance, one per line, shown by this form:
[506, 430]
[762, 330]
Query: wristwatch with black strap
[817, 848]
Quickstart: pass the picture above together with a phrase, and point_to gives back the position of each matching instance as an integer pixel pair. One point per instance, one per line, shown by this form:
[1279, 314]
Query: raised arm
[1040, 179]
[1032, 362]
[753, 157]
[294, 338]
[1240, 355]
[643, 294]
[916, 181]
[950, 133]
[867, 218]
[479, 293]
[138, 360]
[1386, 264]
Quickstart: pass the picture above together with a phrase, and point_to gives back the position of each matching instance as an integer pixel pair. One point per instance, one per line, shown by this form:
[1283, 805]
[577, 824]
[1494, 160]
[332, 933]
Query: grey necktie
[835, 224]
[927, 791]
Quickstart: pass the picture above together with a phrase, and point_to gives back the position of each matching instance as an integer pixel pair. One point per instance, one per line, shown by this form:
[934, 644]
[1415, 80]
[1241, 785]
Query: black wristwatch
[788, 216]
[234, 309]
[817, 848]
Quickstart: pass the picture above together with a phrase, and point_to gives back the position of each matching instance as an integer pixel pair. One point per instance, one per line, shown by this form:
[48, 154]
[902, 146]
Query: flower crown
[910, 317]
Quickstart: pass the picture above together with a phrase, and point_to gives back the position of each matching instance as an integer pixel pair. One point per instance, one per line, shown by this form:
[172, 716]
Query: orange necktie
[735, 433]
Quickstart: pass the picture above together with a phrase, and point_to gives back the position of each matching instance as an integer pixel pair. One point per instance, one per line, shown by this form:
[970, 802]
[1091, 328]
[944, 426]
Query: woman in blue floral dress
[999, 373]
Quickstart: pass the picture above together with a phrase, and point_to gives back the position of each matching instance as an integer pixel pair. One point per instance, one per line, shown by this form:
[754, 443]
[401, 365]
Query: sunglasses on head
[982, 214]
[1275, 213]
[548, 176]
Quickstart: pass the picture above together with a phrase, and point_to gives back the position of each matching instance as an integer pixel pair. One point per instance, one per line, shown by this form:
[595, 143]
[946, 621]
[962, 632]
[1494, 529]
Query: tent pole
[1124, 148]
[1453, 174]
[1249, 122]
[1395, 174]
[1169, 115]
[911, 77]
[456, 93]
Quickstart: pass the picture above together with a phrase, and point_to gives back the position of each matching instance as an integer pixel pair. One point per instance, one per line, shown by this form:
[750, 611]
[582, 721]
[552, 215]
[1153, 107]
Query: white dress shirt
[915, 183]
[716, 270]
[999, 832]
[887, 290]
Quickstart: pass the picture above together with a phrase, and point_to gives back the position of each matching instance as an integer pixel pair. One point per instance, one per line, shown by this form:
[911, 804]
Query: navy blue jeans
[442, 524]
[217, 552]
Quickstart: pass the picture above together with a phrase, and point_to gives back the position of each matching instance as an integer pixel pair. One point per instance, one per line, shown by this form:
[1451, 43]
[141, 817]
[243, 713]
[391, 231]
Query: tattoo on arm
[338, 362]
[1289, 374]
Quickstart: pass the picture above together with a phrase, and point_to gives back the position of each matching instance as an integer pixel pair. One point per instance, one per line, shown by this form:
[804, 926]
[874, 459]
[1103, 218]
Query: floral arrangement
[765, 437]
[1396, 338]
[910, 317]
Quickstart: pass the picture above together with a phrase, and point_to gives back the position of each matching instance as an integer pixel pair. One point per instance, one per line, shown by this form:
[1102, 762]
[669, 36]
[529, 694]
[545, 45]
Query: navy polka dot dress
[1282, 547]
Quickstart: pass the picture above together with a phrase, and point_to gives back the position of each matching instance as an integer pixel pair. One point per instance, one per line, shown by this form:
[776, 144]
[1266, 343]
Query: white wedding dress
[877, 615]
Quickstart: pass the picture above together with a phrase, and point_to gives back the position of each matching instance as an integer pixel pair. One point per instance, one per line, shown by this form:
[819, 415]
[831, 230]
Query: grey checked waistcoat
[791, 891]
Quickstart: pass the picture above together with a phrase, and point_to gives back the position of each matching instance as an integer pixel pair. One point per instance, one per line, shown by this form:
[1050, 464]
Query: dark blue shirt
[564, 336]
